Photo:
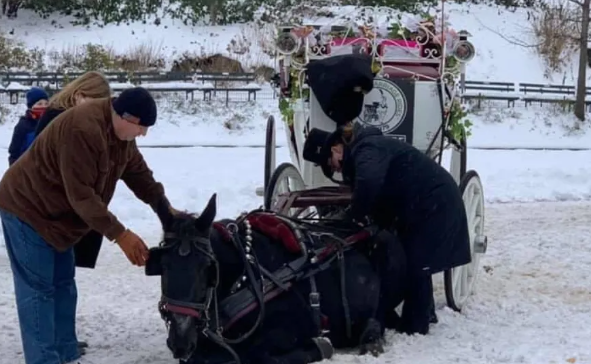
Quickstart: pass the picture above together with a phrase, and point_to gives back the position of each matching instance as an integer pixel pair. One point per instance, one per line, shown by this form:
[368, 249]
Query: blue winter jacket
[22, 137]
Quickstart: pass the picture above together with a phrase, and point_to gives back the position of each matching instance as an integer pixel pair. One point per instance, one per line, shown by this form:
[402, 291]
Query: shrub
[555, 30]
[14, 55]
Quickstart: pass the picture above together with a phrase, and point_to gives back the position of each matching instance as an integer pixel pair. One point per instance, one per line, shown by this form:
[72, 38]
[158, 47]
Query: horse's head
[189, 274]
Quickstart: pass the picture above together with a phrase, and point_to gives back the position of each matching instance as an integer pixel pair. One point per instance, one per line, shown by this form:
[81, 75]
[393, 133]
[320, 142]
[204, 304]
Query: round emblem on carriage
[384, 107]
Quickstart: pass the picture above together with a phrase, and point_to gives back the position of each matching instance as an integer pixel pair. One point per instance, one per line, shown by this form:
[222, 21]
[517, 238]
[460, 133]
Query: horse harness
[264, 285]
[314, 258]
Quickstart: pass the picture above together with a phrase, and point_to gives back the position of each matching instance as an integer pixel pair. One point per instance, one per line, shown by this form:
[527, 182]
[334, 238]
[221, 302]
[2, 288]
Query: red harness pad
[221, 229]
[276, 229]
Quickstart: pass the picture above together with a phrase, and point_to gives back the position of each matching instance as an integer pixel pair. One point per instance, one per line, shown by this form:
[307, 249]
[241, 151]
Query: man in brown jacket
[55, 194]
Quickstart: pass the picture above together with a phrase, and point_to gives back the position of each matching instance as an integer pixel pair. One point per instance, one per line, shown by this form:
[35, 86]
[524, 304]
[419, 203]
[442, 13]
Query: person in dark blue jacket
[402, 189]
[24, 131]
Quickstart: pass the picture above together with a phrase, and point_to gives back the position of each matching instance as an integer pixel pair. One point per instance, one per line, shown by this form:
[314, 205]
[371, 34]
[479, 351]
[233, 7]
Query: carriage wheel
[286, 178]
[269, 151]
[460, 281]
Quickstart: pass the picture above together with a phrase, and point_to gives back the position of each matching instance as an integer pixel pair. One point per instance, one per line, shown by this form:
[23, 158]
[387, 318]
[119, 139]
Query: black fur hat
[317, 148]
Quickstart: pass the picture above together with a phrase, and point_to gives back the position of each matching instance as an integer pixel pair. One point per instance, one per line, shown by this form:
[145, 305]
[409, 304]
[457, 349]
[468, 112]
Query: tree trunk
[582, 76]
[213, 12]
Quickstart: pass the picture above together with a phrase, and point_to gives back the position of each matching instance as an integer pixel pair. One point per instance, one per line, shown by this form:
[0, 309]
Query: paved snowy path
[533, 304]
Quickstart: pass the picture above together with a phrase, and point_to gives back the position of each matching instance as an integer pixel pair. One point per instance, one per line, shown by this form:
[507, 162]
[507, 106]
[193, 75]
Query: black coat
[86, 250]
[401, 187]
[22, 137]
[47, 118]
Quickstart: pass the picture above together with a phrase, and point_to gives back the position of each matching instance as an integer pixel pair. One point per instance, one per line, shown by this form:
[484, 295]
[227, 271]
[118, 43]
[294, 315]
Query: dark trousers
[419, 305]
[86, 251]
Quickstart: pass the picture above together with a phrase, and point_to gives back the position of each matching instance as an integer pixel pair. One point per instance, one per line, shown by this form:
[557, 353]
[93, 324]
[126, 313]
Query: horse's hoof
[375, 348]
[324, 346]
[371, 340]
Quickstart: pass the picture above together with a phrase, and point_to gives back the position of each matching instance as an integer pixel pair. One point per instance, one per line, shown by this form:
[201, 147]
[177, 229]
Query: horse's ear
[163, 213]
[208, 215]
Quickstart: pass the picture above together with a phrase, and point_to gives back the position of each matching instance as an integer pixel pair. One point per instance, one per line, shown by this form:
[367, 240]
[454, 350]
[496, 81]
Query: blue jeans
[46, 294]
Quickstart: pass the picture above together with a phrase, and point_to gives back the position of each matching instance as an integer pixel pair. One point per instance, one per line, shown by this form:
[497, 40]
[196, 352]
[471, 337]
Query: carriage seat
[419, 71]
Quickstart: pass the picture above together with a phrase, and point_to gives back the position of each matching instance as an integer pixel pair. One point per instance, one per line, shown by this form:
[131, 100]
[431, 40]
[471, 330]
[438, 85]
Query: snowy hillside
[496, 59]
[199, 123]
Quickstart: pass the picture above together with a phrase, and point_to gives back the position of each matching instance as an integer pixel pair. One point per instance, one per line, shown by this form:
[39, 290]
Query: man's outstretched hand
[134, 247]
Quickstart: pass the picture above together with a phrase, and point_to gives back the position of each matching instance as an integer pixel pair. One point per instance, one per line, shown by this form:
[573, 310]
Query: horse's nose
[182, 352]
[181, 336]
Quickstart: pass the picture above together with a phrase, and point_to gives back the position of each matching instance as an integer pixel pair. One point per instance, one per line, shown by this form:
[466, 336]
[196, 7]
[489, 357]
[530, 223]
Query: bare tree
[582, 74]
[565, 26]
[559, 29]
[10, 8]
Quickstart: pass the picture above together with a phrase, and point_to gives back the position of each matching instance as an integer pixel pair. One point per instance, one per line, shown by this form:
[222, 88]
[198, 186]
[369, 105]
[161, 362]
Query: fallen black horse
[265, 289]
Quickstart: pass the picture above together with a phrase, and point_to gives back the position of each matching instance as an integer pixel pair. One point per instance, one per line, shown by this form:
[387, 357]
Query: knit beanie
[35, 94]
[137, 102]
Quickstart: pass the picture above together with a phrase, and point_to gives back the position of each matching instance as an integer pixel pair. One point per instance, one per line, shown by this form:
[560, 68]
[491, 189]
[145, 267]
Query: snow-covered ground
[242, 123]
[532, 302]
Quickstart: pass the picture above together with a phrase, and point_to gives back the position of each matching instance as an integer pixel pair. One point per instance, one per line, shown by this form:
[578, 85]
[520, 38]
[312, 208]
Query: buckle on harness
[315, 299]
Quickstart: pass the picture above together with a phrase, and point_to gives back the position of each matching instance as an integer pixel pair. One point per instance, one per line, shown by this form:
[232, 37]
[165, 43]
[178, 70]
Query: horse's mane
[181, 221]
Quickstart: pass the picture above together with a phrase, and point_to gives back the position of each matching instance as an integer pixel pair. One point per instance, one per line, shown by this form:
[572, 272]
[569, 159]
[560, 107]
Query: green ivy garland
[459, 125]
[286, 104]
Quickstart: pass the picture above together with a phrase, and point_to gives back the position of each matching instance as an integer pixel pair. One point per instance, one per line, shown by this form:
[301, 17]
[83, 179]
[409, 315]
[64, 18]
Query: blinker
[154, 262]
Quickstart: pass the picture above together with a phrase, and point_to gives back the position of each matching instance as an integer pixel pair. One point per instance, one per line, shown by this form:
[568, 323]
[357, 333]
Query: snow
[186, 122]
[204, 123]
[532, 301]
[169, 40]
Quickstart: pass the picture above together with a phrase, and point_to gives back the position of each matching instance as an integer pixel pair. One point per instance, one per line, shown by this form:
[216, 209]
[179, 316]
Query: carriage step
[260, 191]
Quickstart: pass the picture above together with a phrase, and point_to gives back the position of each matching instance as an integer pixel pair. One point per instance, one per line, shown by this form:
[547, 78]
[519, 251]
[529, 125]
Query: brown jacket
[62, 185]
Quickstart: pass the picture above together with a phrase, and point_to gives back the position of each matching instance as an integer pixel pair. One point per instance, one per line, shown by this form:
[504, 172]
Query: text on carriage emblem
[385, 107]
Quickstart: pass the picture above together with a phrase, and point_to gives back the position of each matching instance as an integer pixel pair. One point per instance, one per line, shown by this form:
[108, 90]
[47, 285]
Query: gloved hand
[134, 247]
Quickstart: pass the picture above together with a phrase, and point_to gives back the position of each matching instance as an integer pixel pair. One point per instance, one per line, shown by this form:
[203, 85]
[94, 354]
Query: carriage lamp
[463, 51]
[464, 34]
[287, 43]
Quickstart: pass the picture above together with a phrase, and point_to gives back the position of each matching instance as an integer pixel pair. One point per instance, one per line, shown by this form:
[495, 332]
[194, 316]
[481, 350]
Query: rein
[248, 259]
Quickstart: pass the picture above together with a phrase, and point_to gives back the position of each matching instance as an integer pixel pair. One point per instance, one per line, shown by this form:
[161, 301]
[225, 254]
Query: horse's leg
[350, 295]
[389, 259]
[371, 338]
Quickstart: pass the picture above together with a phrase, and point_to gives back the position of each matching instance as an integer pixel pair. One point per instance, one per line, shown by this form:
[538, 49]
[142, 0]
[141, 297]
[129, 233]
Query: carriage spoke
[462, 279]
[465, 281]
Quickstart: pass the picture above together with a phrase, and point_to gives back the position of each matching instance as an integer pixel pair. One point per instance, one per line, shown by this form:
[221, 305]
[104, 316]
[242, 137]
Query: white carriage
[414, 99]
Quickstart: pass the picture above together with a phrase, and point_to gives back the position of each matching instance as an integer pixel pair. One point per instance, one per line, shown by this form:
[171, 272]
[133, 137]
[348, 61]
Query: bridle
[200, 310]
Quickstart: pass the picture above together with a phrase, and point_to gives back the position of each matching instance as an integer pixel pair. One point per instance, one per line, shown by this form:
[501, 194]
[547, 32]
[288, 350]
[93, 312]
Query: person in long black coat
[401, 188]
